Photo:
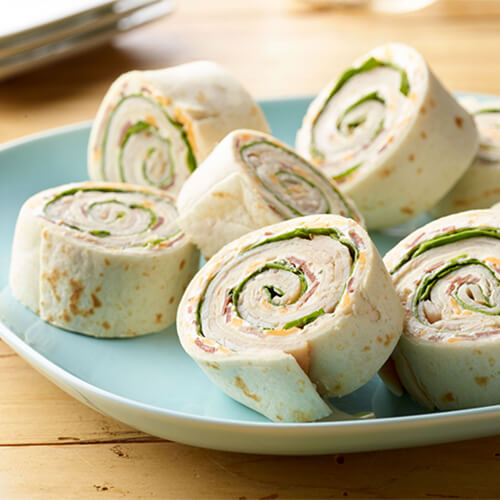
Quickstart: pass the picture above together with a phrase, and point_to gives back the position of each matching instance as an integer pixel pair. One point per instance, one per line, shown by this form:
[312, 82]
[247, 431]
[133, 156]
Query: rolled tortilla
[291, 313]
[154, 127]
[390, 134]
[249, 181]
[480, 185]
[447, 275]
[103, 259]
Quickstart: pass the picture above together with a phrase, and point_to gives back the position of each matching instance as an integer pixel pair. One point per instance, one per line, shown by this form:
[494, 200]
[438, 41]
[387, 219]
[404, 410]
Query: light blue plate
[151, 384]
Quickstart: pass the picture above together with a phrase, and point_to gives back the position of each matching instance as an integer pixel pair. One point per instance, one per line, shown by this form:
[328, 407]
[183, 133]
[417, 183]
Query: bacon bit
[307, 296]
[495, 263]
[146, 89]
[169, 243]
[275, 210]
[459, 281]
[350, 285]
[355, 237]
[301, 264]
[226, 311]
[169, 185]
[123, 132]
[268, 233]
[433, 267]
[416, 240]
[160, 221]
[204, 347]
[448, 229]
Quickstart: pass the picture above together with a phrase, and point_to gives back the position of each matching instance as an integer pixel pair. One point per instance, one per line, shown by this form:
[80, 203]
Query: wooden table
[54, 447]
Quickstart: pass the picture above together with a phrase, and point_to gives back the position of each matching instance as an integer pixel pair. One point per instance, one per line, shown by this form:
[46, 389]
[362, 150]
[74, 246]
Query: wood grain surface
[51, 446]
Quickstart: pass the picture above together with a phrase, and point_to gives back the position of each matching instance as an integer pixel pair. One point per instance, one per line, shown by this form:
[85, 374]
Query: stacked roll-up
[103, 259]
[389, 132]
[290, 313]
[251, 180]
[480, 185]
[447, 275]
[154, 127]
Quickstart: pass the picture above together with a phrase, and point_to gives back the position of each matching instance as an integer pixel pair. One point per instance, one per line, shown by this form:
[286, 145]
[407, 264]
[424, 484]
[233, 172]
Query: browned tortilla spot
[386, 172]
[366, 348]
[240, 384]
[448, 397]
[214, 365]
[53, 278]
[459, 121]
[423, 135]
[65, 316]
[481, 381]
[76, 292]
[95, 300]
[106, 325]
[419, 170]
[423, 110]
[432, 103]
[407, 210]
[300, 416]
[411, 157]
[106, 261]
[171, 300]
[159, 316]
[182, 264]
[278, 418]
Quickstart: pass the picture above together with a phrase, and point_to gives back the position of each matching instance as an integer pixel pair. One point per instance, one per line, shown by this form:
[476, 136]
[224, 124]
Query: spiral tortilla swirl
[306, 302]
[251, 180]
[154, 127]
[447, 275]
[390, 134]
[103, 259]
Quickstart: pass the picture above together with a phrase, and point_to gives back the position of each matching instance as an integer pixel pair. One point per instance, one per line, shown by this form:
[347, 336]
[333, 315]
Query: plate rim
[36, 360]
